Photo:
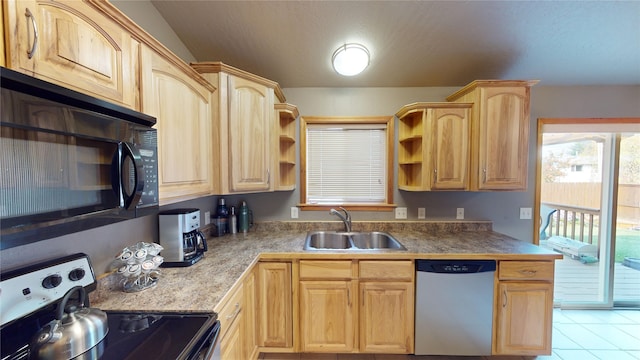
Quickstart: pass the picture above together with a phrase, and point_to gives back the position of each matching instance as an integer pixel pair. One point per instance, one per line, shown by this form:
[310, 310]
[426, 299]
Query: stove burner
[137, 322]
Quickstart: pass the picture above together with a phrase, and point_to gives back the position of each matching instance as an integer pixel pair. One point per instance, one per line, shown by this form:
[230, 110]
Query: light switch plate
[401, 213]
[294, 212]
[525, 213]
[460, 213]
[207, 217]
[421, 213]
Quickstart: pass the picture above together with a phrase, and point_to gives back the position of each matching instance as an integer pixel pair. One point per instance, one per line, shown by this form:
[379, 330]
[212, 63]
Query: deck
[578, 282]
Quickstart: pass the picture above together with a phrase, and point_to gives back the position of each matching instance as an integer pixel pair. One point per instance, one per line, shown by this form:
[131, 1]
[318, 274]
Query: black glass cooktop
[131, 335]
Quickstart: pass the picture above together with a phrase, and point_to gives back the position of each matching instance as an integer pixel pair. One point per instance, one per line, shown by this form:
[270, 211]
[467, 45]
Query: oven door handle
[132, 197]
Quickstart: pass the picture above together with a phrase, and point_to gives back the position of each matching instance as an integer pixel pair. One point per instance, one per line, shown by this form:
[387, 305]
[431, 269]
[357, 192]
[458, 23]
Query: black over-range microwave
[70, 162]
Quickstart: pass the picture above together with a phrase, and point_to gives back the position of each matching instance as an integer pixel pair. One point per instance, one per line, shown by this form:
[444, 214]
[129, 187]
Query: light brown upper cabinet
[72, 44]
[499, 133]
[244, 129]
[182, 106]
[433, 146]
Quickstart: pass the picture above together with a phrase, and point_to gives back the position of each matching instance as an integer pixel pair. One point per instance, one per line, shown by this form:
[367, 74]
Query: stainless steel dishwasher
[454, 307]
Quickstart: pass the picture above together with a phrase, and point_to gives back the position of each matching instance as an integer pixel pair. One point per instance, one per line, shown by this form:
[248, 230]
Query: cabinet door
[182, 108]
[250, 126]
[503, 138]
[275, 326]
[386, 318]
[231, 346]
[327, 316]
[449, 148]
[524, 318]
[250, 331]
[76, 47]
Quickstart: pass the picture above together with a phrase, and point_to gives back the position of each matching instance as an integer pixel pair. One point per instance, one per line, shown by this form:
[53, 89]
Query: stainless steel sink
[333, 240]
[376, 240]
[327, 240]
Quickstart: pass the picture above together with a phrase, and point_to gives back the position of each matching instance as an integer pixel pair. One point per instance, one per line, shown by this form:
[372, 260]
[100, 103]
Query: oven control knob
[51, 281]
[76, 274]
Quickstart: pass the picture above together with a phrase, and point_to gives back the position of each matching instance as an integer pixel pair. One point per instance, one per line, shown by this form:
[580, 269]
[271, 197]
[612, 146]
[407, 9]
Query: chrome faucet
[346, 219]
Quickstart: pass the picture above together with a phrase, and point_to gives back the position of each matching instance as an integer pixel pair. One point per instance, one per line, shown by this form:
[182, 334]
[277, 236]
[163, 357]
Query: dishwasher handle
[455, 266]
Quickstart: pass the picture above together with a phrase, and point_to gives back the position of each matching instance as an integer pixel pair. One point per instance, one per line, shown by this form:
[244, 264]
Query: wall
[145, 14]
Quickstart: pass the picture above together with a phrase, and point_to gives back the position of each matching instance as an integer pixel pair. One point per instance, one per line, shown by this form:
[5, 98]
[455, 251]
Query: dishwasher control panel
[456, 266]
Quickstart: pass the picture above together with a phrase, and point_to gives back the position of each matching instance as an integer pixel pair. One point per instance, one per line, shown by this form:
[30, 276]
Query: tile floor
[577, 335]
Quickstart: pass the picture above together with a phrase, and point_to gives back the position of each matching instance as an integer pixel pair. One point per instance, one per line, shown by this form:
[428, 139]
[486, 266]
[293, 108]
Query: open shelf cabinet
[286, 115]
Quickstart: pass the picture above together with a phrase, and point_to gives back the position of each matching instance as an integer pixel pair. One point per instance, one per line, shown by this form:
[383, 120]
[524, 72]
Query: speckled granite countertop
[202, 286]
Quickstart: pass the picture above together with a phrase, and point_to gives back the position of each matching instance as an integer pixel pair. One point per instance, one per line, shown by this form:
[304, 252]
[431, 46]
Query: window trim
[335, 120]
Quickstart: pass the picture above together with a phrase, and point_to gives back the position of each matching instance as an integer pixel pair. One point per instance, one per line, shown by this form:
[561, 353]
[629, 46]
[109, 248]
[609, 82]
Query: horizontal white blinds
[346, 164]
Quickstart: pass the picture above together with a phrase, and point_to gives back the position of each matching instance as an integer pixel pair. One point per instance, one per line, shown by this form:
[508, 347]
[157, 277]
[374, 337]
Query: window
[346, 162]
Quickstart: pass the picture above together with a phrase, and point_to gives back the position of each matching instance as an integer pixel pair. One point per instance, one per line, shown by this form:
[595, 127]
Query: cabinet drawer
[230, 310]
[385, 269]
[529, 270]
[319, 269]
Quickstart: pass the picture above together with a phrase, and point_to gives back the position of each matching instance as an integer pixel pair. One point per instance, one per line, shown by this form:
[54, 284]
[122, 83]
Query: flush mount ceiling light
[350, 59]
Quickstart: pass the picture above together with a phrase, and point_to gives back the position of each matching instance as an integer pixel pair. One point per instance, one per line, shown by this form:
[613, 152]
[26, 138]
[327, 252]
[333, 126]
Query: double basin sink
[334, 240]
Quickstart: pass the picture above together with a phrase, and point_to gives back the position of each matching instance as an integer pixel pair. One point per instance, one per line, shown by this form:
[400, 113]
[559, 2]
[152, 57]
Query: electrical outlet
[294, 212]
[207, 217]
[525, 213]
[421, 213]
[460, 213]
[401, 213]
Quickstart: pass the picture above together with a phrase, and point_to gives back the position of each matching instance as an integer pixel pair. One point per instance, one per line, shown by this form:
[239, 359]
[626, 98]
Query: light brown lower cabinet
[274, 307]
[386, 317]
[231, 318]
[231, 346]
[327, 319]
[524, 308]
[351, 306]
[250, 317]
[367, 306]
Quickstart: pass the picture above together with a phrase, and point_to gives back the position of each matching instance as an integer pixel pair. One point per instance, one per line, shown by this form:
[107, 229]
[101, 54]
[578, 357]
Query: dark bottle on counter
[222, 217]
[245, 218]
[233, 221]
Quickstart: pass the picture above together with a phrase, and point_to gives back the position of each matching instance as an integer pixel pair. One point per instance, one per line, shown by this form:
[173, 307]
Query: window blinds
[346, 164]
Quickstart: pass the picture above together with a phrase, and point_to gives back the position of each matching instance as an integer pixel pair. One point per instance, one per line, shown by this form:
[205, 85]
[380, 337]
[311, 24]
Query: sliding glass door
[588, 194]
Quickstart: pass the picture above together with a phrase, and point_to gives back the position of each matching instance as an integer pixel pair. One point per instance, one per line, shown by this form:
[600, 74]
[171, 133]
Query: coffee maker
[180, 236]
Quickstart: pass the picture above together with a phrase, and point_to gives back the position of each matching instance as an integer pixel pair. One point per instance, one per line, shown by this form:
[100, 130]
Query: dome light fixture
[350, 59]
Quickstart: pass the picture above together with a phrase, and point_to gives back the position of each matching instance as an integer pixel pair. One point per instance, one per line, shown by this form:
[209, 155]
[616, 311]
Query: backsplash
[432, 226]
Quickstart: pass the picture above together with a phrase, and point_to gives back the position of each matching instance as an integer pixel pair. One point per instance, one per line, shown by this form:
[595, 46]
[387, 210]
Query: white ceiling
[417, 43]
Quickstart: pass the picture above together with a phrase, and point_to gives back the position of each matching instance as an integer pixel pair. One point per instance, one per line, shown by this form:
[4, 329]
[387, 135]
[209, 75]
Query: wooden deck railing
[572, 222]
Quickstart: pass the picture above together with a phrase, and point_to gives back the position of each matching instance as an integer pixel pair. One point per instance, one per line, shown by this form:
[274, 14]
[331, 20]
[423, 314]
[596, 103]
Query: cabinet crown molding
[490, 83]
[290, 108]
[204, 67]
[417, 106]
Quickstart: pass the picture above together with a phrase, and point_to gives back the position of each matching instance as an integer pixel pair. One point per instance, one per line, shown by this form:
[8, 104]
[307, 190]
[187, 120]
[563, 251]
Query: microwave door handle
[129, 150]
